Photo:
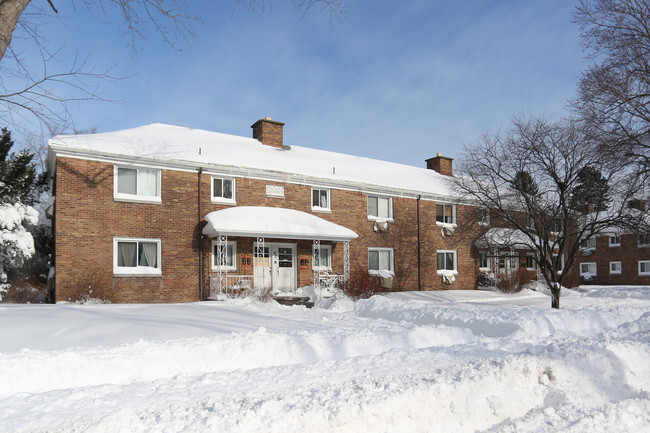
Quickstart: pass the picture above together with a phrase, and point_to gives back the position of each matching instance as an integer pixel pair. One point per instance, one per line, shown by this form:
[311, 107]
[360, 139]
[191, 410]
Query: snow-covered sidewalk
[460, 361]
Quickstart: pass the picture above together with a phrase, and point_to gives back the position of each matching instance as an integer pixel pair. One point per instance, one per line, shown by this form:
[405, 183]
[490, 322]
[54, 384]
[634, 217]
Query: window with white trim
[587, 269]
[644, 267]
[531, 265]
[615, 268]
[588, 244]
[644, 239]
[615, 240]
[446, 213]
[484, 260]
[380, 259]
[320, 199]
[483, 216]
[137, 184]
[223, 190]
[134, 256]
[324, 258]
[446, 261]
[380, 207]
[229, 261]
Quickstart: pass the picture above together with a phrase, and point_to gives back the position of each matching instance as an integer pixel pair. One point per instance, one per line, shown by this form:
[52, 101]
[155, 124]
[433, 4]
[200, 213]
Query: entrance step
[294, 300]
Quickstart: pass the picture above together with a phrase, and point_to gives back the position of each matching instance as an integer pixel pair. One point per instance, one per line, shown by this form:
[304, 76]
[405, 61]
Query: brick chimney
[441, 164]
[269, 132]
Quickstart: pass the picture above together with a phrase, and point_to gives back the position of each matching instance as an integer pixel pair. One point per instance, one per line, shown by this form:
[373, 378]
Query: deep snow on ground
[452, 361]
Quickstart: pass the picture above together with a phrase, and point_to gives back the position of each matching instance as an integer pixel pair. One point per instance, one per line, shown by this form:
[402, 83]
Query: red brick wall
[88, 218]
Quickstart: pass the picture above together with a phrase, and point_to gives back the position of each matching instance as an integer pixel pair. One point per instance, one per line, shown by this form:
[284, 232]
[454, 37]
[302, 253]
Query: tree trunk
[10, 11]
[555, 292]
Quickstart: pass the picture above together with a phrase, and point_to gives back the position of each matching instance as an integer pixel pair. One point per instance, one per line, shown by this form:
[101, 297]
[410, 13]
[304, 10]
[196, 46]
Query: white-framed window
[136, 184]
[556, 226]
[644, 239]
[508, 261]
[447, 262]
[644, 267]
[380, 207]
[615, 240]
[380, 259]
[615, 268]
[229, 261]
[530, 262]
[320, 199]
[446, 213]
[483, 216]
[530, 221]
[587, 269]
[324, 258]
[588, 243]
[137, 256]
[223, 190]
[484, 260]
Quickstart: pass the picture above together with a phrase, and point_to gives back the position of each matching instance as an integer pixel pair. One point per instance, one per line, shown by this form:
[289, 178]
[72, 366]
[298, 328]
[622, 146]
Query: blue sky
[398, 81]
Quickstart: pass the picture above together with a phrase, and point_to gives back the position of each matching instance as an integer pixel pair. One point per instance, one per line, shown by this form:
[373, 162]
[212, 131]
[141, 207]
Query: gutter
[200, 235]
[418, 225]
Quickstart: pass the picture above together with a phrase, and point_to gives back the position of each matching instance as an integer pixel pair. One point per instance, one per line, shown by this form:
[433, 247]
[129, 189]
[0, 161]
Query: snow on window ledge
[449, 225]
[446, 273]
[379, 219]
[382, 273]
[489, 270]
[219, 200]
[318, 209]
[138, 271]
[137, 198]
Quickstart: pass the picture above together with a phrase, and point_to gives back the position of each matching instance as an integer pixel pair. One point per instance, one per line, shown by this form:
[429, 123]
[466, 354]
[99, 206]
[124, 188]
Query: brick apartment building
[618, 257]
[162, 213]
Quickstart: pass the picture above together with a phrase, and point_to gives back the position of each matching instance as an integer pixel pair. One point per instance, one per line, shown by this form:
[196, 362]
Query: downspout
[418, 225]
[200, 234]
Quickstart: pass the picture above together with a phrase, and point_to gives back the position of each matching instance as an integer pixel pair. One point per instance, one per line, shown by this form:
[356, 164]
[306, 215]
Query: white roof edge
[249, 172]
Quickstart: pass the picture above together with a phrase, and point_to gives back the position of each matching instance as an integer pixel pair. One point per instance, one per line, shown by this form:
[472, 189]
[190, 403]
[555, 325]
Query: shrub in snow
[362, 285]
[94, 286]
[514, 281]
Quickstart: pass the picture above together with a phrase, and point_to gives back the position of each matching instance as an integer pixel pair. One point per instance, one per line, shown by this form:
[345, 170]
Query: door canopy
[272, 222]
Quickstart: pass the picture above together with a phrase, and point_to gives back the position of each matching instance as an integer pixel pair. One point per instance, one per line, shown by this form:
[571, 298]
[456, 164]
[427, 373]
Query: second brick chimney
[441, 164]
[269, 132]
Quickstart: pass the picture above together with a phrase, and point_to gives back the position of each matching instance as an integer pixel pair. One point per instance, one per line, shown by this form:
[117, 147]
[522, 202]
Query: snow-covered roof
[271, 222]
[501, 237]
[194, 148]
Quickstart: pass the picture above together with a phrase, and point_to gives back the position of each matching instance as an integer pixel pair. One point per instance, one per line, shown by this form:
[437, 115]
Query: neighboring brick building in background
[620, 257]
[154, 214]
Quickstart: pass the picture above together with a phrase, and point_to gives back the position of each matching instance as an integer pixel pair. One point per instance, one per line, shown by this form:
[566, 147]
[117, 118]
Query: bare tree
[43, 91]
[614, 92]
[528, 178]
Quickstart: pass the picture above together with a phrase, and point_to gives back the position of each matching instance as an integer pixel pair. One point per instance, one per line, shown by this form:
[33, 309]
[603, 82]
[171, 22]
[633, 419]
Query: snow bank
[461, 361]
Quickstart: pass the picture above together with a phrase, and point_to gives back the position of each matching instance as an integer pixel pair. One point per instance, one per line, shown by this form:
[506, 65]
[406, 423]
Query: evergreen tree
[18, 182]
[591, 194]
[18, 179]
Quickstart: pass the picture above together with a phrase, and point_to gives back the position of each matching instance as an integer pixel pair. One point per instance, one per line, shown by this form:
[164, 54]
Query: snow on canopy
[199, 148]
[505, 238]
[252, 221]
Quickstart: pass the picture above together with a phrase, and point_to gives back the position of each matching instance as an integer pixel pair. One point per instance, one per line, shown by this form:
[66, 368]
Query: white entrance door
[276, 267]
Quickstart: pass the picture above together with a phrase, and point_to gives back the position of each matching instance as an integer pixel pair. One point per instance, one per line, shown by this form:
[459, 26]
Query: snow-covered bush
[16, 243]
[362, 285]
